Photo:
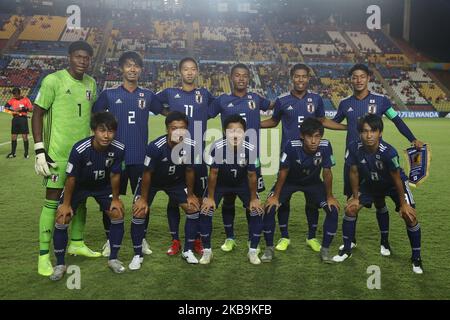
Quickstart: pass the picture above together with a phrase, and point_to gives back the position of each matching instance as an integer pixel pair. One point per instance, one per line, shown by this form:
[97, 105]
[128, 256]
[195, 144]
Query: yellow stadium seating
[44, 28]
[9, 28]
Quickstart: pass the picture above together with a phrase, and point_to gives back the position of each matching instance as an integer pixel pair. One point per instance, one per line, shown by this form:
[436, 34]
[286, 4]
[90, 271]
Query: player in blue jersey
[292, 109]
[130, 104]
[374, 174]
[233, 164]
[169, 168]
[302, 161]
[93, 170]
[359, 104]
[248, 105]
[194, 102]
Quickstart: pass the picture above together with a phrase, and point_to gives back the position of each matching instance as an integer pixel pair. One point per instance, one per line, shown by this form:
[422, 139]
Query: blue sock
[283, 219]
[173, 216]
[190, 230]
[106, 224]
[348, 231]
[116, 237]
[312, 216]
[228, 213]
[329, 226]
[206, 229]
[383, 224]
[137, 234]
[60, 242]
[269, 226]
[414, 235]
[249, 229]
[256, 227]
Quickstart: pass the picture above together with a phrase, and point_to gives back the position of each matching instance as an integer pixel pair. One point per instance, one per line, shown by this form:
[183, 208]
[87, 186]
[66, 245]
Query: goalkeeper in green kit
[61, 117]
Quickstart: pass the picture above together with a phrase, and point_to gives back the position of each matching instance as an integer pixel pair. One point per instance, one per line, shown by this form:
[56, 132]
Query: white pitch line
[9, 142]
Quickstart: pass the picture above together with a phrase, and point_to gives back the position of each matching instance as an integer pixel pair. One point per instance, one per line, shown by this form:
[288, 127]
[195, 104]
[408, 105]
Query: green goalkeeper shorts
[57, 178]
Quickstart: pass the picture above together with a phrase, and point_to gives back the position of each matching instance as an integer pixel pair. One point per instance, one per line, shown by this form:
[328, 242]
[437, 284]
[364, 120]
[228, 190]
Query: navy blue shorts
[243, 192]
[314, 194]
[103, 198]
[260, 181]
[201, 179]
[368, 196]
[132, 172]
[177, 194]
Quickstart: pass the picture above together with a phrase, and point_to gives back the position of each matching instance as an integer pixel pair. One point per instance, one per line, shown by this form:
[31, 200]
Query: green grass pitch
[294, 274]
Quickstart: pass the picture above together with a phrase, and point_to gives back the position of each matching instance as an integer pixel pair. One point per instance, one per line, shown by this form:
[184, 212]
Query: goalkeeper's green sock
[78, 223]
[46, 225]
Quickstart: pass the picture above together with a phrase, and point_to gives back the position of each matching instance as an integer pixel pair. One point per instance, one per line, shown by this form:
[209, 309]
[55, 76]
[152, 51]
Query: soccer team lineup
[107, 148]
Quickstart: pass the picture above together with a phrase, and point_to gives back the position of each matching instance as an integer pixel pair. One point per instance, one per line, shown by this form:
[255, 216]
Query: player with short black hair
[374, 174]
[93, 170]
[194, 102]
[301, 163]
[233, 163]
[169, 168]
[131, 105]
[248, 105]
[292, 109]
[19, 107]
[360, 103]
[61, 115]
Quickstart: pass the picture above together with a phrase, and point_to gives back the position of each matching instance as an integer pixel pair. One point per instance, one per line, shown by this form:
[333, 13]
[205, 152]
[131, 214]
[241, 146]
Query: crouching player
[168, 167]
[93, 170]
[301, 163]
[377, 164]
[233, 164]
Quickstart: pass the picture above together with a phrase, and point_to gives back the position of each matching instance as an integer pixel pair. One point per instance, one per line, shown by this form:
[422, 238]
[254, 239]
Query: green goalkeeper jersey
[68, 103]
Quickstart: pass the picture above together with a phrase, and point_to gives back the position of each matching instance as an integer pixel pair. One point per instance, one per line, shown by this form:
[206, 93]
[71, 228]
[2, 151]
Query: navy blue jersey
[131, 111]
[233, 164]
[305, 168]
[92, 168]
[352, 109]
[195, 104]
[248, 107]
[292, 110]
[168, 168]
[375, 168]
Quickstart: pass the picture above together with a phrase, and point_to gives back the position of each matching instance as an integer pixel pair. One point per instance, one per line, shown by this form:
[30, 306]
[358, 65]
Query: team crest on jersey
[89, 95]
[54, 177]
[141, 94]
[198, 97]
[109, 162]
[242, 162]
[141, 104]
[252, 104]
[309, 99]
[372, 108]
[310, 107]
[317, 161]
[110, 154]
[379, 164]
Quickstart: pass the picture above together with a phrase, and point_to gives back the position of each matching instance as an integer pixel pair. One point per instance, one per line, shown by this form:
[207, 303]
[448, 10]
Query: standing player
[248, 105]
[374, 174]
[194, 102]
[130, 104]
[233, 172]
[292, 109]
[61, 117]
[301, 163]
[19, 107]
[93, 170]
[168, 168]
[352, 108]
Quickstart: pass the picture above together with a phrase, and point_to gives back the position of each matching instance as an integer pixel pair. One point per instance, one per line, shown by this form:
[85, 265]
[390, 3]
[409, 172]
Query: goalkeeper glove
[43, 160]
